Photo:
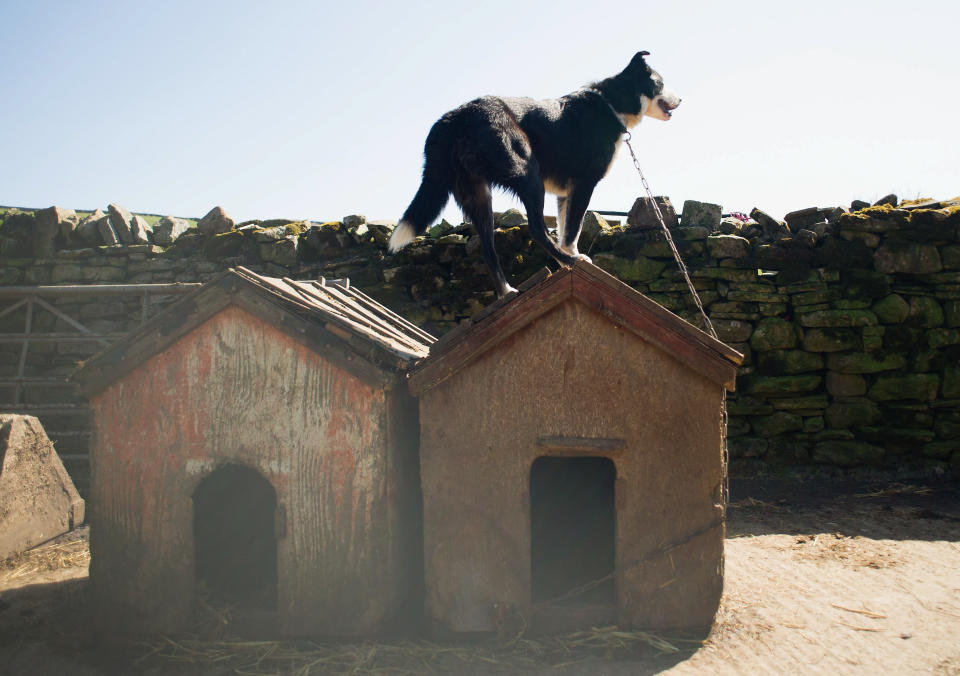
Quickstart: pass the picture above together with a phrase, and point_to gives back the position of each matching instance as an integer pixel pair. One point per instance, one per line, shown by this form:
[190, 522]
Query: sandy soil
[862, 581]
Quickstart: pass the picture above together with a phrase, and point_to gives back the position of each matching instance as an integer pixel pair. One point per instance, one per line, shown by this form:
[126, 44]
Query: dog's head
[648, 96]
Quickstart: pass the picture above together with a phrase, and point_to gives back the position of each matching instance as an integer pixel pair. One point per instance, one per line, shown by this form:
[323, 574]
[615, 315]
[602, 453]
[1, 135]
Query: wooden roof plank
[362, 313]
[341, 309]
[382, 310]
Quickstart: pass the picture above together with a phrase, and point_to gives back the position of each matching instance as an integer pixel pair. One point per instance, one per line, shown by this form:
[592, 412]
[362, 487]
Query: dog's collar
[619, 118]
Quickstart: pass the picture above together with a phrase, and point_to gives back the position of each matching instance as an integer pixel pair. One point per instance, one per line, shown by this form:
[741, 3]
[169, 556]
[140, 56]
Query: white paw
[572, 252]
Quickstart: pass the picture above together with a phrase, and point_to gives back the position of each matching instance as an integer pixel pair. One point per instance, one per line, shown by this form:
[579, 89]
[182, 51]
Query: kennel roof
[331, 316]
[597, 289]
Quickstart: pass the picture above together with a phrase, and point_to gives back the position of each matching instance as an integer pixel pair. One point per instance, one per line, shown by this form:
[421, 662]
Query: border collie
[563, 146]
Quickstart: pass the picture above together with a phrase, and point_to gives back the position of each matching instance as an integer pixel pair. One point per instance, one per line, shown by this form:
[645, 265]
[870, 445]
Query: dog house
[255, 446]
[572, 466]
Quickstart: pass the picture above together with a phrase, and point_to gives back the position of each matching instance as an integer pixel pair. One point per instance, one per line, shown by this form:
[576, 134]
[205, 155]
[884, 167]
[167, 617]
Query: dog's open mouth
[665, 107]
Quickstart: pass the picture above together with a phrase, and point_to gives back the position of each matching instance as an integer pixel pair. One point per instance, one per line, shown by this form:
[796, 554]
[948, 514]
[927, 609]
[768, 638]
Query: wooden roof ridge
[597, 289]
[327, 316]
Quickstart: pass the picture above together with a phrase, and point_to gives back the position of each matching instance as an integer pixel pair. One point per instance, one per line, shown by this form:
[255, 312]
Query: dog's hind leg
[576, 206]
[475, 199]
[529, 188]
[561, 217]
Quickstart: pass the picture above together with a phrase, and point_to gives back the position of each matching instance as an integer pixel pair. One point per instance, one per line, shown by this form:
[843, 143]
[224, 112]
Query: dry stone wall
[849, 319]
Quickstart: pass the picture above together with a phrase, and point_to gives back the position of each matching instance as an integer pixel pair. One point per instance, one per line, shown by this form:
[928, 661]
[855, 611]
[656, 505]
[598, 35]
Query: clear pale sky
[320, 109]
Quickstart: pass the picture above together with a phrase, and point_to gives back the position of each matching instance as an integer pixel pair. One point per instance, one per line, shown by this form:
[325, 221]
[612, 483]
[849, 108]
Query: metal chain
[673, 247]
[703, 313]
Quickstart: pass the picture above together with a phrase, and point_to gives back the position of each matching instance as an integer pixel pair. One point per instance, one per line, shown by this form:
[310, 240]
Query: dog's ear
[637, 64]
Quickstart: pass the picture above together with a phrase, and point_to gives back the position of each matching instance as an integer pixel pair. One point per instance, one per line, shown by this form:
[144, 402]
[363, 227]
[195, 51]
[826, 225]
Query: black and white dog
[564, 146]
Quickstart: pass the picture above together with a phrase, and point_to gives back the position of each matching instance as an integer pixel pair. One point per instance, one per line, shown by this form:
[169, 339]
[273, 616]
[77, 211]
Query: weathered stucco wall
[480, 432]
[237, 390]
[850, 320]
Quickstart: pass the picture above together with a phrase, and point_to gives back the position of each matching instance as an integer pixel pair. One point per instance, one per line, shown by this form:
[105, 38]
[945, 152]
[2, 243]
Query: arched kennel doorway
[235, 548]
[572, 530]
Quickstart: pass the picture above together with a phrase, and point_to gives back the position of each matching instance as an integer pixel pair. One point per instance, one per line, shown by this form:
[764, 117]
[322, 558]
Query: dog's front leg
[577, 201]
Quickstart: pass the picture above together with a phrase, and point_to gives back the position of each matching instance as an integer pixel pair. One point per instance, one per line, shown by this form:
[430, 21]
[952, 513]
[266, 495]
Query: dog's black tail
[431, 197]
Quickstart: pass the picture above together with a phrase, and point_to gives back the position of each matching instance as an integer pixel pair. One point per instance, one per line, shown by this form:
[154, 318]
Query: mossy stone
[747, 447]
[847, 453]
[892, 309]
[757, 294]
[440, 229]
[772, 309]
[937, 338]
[851, 413]
[282, 252]
[841, 318]
[864, 362]
[727, 274]
[925, 312]
[224, 245]
[814, 297]
[845, 384]
[10, 276]
[950, 256]
[950, 387]
[905, 386]
[907, 257]
[788, 362]
[637, 269]
[786, 452]
[727, 246]
[912, 438]
[830, 339]
[701, 213]
[772, 333]
[940, 449]
[780, 422]
[510, 218]
[747, 406]
[733, 330]
[767, 385]
[692, 234]
[67, 272]
[810, 402]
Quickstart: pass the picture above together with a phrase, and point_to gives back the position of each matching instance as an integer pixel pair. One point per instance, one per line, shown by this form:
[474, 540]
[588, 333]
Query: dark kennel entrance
[572, 530]
[235, 549]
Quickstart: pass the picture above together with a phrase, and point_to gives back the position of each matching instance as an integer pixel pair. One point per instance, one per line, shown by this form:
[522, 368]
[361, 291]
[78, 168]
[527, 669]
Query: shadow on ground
[46, 628]
[876, 510]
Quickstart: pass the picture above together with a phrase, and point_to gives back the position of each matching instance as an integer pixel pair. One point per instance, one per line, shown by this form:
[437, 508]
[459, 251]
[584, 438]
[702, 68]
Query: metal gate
[43, 390]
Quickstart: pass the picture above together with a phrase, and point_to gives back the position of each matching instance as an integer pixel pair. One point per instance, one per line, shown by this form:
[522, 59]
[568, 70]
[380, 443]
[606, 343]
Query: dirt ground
[820, 578]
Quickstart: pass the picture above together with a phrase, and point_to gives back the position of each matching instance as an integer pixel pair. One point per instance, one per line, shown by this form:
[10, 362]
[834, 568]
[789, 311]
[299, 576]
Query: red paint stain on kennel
[270, 419]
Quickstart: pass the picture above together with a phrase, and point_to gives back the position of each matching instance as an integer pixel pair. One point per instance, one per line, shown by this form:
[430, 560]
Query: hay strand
[260, 658]
[56, 555]
[896, 489]
[868, 613]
